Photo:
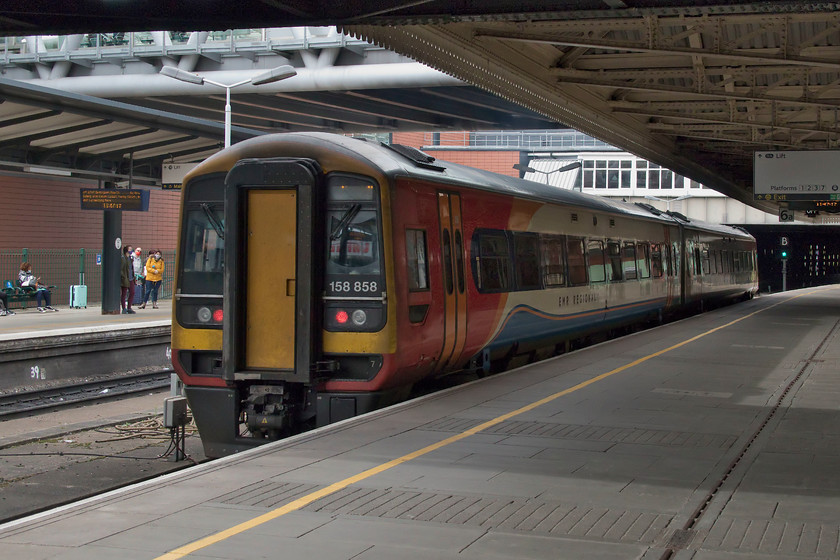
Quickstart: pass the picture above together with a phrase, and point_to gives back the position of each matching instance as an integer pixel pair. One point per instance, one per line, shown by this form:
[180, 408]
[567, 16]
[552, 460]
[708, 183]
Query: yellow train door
[273, 275]
[270, 281]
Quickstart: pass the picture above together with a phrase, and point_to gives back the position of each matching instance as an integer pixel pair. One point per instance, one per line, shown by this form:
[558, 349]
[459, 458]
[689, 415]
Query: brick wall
[414, 139]
[500, 162]
[491, 160]
[44, 213]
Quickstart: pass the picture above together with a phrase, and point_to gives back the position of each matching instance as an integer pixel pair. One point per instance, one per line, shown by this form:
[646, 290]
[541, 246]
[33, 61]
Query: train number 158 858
[347, 286]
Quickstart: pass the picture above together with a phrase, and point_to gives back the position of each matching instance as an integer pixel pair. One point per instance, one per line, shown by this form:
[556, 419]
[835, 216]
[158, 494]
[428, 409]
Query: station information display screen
[115, 199]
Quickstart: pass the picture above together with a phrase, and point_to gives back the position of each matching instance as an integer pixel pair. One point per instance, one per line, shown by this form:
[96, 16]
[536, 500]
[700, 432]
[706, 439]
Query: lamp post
[273, 75]
[528, 169]
[667, 201]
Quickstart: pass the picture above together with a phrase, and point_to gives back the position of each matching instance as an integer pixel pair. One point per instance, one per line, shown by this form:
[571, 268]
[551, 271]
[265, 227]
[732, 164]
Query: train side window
[628, 261]
[643, 260]
[614, 261]
[526, 261]
[577, 261]
[704, 260]
[656, 260]
[492, 261]
[418, 268]
[595, 250]
[697, 268]
[553, 262]
[447, 261]
[718, 263]
[677, 263]
[459, 261]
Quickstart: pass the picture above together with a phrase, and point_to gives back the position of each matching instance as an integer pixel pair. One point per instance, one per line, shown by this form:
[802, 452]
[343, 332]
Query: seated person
[28, 280]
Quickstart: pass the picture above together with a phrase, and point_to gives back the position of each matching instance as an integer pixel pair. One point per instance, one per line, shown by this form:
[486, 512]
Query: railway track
[23, 402]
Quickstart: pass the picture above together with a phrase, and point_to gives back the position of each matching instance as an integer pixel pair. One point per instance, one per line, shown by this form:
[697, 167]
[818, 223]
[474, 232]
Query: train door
[454, 281]
[269, 325]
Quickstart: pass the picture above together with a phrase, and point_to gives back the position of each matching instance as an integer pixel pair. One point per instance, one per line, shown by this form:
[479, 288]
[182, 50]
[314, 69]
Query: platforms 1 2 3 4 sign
[136, 200]
[796, 175]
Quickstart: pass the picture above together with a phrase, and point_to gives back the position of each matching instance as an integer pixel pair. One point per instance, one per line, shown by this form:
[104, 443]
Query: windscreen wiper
[345, 219]
[214, 221]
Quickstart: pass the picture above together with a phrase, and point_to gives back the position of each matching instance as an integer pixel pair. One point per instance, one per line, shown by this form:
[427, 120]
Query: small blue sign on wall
[98, 259]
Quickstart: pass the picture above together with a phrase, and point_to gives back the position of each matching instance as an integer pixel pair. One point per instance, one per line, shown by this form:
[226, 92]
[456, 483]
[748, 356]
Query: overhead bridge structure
[696, 86]
[140, 117]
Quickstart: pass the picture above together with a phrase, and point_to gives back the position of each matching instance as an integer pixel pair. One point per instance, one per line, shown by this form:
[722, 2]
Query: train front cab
[290, 315]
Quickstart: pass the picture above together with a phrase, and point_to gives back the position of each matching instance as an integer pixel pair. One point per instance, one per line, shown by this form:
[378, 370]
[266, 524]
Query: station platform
[715, 437]
[60, 348]
[32, 323]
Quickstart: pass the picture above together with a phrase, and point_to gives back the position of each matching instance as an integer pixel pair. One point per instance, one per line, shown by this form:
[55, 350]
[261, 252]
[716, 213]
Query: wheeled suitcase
[138, 294]
[78, 296]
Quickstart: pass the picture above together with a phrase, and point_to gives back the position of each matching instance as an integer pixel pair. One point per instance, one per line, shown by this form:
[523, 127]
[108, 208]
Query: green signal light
[784, 254]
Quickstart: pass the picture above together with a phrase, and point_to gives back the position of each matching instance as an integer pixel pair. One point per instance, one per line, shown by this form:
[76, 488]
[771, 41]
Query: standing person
[139, 273]
[154, 277]
[42, 293]
[126, 279]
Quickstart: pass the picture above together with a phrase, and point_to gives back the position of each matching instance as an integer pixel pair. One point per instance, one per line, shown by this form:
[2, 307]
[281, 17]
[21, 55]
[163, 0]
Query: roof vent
[574, 217]
[418, 157]
[612, 222]
[680, 217]
[652, 209]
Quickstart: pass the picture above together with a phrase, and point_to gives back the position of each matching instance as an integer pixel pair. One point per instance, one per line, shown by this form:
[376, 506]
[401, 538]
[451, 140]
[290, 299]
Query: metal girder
[723, 36]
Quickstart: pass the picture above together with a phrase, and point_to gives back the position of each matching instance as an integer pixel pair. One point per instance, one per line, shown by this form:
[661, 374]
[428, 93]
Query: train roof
[397, 160]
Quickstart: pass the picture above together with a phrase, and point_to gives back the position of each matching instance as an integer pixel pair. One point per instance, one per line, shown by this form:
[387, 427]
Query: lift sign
[796, 175]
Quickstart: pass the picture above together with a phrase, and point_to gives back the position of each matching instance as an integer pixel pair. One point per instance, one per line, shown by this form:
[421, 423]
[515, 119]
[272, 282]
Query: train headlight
[204, 314]
[359, 317]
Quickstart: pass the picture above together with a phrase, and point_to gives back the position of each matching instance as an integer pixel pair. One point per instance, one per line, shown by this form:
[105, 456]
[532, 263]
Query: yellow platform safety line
[342, 484]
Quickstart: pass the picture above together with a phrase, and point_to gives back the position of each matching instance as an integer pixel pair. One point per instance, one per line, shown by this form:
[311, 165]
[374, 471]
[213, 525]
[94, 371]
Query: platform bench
[20, 293]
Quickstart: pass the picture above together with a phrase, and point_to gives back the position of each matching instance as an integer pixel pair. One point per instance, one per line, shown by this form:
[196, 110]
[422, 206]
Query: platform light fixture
[668, 201]
[528, 169]
[48, 170]
[273, 75]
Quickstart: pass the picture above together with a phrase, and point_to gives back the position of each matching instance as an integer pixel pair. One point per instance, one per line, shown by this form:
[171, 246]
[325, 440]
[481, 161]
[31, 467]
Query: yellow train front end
[281, 320]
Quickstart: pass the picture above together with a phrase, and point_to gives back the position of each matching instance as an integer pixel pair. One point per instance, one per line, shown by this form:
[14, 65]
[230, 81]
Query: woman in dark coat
[126, 278]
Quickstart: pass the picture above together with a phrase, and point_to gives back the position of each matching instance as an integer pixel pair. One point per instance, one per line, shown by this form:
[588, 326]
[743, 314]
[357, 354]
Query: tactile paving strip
[588, 432]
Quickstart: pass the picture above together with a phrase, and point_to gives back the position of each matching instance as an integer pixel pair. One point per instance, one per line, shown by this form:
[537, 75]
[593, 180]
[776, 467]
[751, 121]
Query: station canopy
[696, 86]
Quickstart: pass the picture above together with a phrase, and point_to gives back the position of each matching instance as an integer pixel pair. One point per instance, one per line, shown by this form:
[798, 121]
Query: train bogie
[321, 277]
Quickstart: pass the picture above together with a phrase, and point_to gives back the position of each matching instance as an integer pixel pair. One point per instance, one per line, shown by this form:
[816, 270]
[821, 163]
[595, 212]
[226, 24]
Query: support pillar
[111, 261]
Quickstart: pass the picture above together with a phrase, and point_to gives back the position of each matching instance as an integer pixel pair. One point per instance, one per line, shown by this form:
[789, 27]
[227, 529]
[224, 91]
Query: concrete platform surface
[66, 320]
[710, 438]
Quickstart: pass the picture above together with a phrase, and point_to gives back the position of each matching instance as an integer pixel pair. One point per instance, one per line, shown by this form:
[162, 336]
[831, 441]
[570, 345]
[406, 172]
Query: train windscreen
[355, 278]
[200, 281]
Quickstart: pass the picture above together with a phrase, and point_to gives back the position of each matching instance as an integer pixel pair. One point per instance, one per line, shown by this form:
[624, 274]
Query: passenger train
[320, 277]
